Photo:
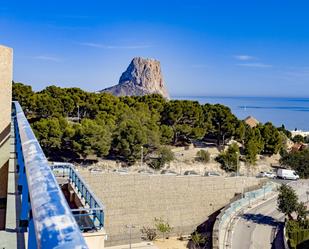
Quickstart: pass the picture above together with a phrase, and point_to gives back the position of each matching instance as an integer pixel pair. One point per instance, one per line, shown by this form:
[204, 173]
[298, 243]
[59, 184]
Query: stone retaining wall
[136, 199]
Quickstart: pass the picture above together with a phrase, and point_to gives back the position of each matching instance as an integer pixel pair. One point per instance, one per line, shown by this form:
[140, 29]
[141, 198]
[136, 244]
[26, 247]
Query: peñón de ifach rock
[142, 77]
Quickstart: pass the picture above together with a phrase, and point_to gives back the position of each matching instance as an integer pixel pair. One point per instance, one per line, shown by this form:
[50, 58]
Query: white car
[96, 171]
[212, 173]
[267, 174]
[168, 172]
[191, 173]
[121, 171]
[145, 172]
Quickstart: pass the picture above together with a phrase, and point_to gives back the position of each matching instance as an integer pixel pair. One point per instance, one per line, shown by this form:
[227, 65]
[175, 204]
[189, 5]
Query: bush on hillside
[229, 158]
[298, 139]
[297, 160]
[297, 233]
[165, 155]
[202, 156]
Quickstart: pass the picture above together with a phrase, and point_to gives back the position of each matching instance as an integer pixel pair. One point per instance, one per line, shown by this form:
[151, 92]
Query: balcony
[44, 209]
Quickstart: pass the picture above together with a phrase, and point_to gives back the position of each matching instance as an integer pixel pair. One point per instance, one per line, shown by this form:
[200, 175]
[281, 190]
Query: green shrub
[297, 160]
[202, 156]
[298, 139]
[198, 240]
[229, 158]
[297, 233]
[163, 226]
[165, 155]
[150, 233]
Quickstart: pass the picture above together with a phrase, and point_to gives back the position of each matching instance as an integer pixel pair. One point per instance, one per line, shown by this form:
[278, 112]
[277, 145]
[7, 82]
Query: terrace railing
[92, 206]
[44, 209]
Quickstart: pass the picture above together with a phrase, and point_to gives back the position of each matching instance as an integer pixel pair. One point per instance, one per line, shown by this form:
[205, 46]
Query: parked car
[96, 170]
[121, 171]
[287, 174]
[145, 172]
[211, 173]
[267, 174]
[168, 172]
[191, 173]
[233, 174]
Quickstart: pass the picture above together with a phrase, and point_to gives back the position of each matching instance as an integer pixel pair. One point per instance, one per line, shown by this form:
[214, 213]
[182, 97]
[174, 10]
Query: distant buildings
[298, 147]
[251, 121]
[300, 132]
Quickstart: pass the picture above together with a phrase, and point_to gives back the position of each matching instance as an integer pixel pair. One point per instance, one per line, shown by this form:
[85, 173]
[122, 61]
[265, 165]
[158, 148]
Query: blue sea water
[292, 112]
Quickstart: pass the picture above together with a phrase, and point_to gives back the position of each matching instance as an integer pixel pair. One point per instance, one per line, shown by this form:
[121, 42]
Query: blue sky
[211, 48]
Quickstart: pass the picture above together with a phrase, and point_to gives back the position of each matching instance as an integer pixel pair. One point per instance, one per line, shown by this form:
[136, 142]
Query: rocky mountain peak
[143, 76]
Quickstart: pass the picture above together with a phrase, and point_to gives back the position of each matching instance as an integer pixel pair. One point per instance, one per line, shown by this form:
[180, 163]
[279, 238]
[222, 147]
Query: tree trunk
[290, 217]
[175, 137]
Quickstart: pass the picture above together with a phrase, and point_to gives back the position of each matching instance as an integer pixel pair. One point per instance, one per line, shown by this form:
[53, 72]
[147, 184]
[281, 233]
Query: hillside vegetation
[72, 124]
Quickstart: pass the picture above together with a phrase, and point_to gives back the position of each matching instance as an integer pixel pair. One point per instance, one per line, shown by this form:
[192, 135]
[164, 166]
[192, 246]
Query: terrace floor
[11, 237]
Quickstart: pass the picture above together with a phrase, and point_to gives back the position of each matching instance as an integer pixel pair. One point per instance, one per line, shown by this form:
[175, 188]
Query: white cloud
[244, 57]
[46, 58]
[301, 72]
[104, 46]
[255, 65]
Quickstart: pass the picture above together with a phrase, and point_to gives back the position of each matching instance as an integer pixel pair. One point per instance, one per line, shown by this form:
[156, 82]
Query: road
[257, 227]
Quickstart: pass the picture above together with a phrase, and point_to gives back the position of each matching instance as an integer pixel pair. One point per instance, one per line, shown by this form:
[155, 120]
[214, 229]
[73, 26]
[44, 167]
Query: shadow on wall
[278, 239]
[206, 229]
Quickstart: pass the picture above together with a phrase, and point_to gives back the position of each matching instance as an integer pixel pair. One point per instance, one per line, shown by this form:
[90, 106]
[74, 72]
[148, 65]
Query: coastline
[291, 112]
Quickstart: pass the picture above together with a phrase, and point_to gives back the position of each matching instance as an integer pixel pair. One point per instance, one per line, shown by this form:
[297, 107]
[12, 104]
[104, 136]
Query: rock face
[142, 77]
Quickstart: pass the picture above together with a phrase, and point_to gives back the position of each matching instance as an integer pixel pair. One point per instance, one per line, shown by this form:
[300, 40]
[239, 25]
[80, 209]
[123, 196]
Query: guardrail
[44, 211]
[94, 208]
[285, 239]
[226, 213]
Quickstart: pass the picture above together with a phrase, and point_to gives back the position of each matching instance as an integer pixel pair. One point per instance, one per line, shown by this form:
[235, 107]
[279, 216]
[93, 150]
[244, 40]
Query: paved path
[10, 238]
[143, 245]
[258, 226]
[255, 228]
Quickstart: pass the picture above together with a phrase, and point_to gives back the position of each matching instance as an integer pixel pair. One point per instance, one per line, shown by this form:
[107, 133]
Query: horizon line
[238, 96]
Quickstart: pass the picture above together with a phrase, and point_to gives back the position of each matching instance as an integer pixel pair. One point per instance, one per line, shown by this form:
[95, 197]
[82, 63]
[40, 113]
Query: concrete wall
[5, 121]
[5, 103]
[185, 202]
[95, 240]
[5, 86]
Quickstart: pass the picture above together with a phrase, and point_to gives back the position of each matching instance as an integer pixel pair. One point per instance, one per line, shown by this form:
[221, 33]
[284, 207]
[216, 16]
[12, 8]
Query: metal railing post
[102, 218]
[32, 243]
[24, 214]
[20, 162]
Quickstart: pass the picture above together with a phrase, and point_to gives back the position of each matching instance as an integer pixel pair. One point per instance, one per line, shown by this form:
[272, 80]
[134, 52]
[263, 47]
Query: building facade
[6, 70]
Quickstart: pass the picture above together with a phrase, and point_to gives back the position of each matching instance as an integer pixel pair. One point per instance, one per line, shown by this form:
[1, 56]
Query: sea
[293, 113]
